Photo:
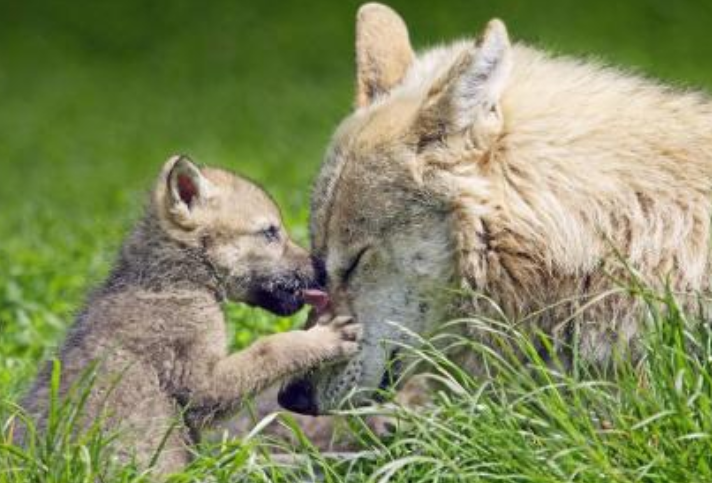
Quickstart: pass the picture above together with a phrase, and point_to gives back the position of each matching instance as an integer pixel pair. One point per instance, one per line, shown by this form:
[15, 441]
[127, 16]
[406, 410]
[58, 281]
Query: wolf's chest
[190, 361]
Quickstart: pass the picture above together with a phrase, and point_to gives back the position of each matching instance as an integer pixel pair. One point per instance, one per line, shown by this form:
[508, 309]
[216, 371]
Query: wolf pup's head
[235, 230]
[391, 187]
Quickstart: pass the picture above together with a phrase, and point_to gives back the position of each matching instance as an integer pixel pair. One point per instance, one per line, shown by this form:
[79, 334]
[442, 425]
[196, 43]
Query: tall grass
[526, 420]
[65, 447]
[647, 420]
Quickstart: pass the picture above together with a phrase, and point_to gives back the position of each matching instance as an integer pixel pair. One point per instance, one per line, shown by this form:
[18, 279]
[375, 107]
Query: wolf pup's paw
[339, 337]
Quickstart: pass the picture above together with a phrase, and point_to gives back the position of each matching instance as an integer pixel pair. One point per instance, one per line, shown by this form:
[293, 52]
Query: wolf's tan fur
[156, 329]
[518, 175]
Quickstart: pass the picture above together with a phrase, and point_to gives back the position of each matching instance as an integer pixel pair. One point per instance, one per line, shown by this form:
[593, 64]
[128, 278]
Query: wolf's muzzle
[277, 298]
[283, 293]
[298, 396]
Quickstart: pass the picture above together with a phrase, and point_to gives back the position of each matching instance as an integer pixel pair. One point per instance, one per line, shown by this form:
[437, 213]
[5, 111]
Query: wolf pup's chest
[183, 363]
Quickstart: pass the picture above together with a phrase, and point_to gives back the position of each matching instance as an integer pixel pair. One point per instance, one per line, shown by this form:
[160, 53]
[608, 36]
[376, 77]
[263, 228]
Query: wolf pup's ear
[468, 96]
[186, 188]
[383, 52]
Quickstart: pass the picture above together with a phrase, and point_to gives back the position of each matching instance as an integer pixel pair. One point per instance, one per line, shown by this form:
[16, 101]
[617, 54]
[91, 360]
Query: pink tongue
[317, 299]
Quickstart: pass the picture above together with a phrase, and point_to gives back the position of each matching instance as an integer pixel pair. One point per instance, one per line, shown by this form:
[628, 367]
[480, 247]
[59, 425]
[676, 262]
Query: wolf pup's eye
[271, 233]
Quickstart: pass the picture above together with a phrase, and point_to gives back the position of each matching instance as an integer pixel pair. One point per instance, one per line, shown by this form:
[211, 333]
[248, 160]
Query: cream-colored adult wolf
[510, 172]
[156, 332]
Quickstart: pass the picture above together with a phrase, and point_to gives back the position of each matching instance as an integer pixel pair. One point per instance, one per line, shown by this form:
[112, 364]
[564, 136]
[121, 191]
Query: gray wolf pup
[155, 328]
[513, 174]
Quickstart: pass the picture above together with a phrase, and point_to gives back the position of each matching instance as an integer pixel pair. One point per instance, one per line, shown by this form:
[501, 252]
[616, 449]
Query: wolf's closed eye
[354, 264]
[271, 233]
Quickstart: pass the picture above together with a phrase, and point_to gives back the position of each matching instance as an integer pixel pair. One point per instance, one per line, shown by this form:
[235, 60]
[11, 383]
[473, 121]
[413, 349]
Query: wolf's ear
[383, 51]
[468, 96]
[186, 184]
[185, 188]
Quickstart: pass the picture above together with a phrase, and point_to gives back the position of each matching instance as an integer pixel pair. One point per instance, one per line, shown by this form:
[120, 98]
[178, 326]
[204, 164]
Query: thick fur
[520, 176]
[155, 331]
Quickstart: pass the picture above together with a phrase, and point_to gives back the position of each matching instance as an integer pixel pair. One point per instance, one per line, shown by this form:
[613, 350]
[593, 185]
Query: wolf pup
[155, 329]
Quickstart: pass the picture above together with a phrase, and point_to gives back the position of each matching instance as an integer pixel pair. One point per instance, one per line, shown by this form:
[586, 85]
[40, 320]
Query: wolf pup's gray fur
[156, 330]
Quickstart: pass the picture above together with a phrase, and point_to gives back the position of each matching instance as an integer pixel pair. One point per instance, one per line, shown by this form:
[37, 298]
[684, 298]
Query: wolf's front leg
[267, 361]
[281, 355]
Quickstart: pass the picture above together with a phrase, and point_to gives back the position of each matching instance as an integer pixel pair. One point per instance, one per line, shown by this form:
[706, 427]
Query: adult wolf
[513, 173]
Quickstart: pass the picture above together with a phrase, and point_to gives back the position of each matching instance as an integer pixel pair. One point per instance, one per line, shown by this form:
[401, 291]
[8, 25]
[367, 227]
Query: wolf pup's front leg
[268, 361]
[280, 355]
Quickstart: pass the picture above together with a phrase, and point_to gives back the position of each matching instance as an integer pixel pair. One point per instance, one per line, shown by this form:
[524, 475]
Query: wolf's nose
[319, 272]
[298, 397]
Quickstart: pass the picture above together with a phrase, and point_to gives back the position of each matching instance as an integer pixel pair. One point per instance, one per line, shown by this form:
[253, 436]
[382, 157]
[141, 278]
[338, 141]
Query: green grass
[529, 422]
[95, 95]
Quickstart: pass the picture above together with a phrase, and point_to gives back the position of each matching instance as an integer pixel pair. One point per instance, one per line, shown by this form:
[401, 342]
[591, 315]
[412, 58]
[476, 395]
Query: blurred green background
[94, 96]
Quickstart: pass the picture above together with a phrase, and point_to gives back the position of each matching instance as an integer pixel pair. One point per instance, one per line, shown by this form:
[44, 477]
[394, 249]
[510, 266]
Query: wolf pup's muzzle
[282, 295]
[287, 292]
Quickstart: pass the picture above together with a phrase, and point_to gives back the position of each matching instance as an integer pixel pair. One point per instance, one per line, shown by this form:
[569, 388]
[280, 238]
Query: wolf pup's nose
[298, 396]
[317, 299]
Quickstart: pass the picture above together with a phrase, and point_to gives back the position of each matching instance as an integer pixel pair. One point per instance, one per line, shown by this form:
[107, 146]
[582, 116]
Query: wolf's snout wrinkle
[298, 396]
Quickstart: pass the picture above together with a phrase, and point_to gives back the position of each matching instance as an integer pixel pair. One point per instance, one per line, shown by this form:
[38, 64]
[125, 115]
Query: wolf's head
[391, 188]
[230, 227]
